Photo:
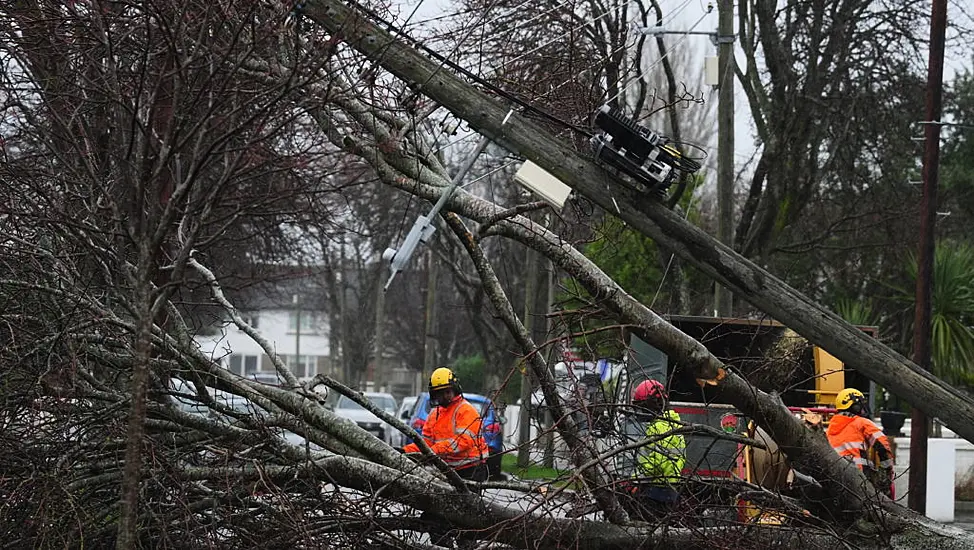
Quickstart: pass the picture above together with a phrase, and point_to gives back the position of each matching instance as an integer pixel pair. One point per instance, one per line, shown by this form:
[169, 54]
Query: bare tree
[819, 112]
[193, 113]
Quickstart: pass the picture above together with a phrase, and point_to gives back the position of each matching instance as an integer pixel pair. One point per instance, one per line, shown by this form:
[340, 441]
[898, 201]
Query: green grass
[532, 472]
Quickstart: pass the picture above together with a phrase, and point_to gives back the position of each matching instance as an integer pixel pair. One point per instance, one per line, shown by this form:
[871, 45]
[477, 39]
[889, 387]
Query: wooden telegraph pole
[524, 418]
[919, 429]
[723, 299]
[748, 280]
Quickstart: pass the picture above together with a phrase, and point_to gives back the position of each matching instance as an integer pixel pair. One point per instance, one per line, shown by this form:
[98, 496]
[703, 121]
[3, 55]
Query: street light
[719, 73]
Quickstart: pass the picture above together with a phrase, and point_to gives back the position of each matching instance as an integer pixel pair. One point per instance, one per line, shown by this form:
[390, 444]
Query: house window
[250, 364]
[251, 319]
[242, 365]
[235, 364]
[303, 368]
[307, 322]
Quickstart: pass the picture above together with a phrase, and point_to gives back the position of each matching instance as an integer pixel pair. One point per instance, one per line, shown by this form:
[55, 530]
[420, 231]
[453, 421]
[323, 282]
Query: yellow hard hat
[848, 397]
[443, 378]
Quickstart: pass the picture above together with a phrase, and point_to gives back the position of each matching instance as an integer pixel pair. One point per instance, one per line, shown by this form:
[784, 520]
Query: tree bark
[648, 216]
[131, 478]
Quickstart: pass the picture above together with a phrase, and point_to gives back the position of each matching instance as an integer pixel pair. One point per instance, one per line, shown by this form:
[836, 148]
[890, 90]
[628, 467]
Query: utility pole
[549, 442]
[346, 368]
[297, 335]
[523, 417]
[429, 344]
[333, 367]
[723, 299]
[378, 374]
[919, 429]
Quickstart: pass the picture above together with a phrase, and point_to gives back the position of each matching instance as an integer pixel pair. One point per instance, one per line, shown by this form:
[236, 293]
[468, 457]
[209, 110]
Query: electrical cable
[578, 73]
[460, 42]
[469, 74]
[490, 173]
[625, 45]
[672, 15]
[583, 71]
[442, 17]
[519, 24]
[684, 164]
[472, 10]
[529, 108]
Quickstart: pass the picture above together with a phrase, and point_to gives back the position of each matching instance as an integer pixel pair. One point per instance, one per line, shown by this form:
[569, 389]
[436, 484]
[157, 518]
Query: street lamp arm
[654, 30]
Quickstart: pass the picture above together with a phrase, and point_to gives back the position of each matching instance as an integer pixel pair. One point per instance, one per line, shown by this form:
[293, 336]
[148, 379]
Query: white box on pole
[540, 182]
[711, 71]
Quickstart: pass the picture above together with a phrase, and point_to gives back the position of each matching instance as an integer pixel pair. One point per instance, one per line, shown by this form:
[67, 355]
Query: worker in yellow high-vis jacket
[661, 461]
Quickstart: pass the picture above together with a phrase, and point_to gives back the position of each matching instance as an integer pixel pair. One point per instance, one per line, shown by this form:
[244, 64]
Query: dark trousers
[477, 472]
[655, 502]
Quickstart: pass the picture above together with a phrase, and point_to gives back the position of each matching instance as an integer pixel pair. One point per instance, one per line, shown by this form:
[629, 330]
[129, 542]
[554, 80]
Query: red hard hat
[647, 389]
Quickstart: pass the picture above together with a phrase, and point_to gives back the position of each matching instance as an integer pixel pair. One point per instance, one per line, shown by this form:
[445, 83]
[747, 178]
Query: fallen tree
[748, 281]
[808, 450]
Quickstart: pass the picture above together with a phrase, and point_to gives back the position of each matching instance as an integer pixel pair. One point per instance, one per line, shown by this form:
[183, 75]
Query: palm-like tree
[857, 312]
[952, 315]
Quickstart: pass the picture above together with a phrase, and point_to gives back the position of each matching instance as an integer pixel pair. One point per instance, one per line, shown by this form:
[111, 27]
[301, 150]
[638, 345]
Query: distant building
[287, 297]
[291, 318]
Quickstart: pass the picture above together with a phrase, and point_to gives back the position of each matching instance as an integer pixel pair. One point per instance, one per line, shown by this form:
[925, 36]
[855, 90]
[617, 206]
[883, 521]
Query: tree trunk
[648, 216]
[131, 478]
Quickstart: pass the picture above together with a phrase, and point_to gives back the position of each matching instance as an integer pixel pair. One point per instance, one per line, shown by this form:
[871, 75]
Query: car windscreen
[385, 403]
[381, 401]
[406, 408]
[483, 407]
[347, 403]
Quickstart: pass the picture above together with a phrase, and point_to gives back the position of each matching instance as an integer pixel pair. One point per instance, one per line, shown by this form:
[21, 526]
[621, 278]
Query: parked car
[346, 408]
[491, 427]
[183, 399]
[266, 377]
[272, 378]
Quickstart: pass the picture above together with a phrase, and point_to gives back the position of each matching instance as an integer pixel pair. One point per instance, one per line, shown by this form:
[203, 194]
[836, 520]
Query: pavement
[964, 515]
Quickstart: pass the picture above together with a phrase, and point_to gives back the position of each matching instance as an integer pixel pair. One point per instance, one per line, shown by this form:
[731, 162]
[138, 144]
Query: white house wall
[276, 327]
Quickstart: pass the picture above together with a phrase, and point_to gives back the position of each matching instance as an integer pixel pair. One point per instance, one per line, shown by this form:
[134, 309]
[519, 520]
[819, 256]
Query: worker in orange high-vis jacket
[857, 438]
[452, 429]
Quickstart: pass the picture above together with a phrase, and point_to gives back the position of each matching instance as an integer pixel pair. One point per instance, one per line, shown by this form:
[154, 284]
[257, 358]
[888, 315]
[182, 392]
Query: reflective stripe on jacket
[664, 459]
[853, 437]
[453, 433]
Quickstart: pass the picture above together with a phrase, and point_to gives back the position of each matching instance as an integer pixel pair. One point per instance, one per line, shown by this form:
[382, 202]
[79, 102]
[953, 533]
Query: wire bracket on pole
[423, 229]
